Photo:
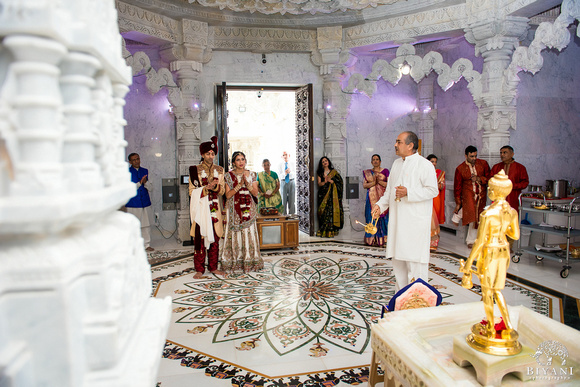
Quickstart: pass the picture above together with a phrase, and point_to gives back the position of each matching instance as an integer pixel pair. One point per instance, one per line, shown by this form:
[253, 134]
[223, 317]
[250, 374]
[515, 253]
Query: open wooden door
[305, 160]
[222, 125]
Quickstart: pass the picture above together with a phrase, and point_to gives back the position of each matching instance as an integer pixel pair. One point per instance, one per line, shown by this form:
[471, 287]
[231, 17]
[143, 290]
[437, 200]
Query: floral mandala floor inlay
[307, 312]
[318, 303]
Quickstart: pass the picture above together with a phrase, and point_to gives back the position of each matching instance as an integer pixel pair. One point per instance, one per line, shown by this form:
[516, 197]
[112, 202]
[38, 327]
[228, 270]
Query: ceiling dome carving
[368, 26]
[295, 7]
[302, 14]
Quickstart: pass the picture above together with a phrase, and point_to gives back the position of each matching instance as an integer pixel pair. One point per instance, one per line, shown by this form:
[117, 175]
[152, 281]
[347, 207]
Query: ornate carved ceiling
[295, 7]
[293, 25]
[303, 14]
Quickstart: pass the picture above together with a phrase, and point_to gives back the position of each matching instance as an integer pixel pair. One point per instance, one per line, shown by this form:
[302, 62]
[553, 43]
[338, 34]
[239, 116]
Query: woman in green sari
[269, 188]
[330, 187]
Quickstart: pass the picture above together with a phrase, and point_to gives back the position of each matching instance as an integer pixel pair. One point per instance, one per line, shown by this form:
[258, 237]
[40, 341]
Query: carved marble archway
[494, 89]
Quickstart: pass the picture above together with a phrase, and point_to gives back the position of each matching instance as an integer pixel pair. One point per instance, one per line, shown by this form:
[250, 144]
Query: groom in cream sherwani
[409, 197]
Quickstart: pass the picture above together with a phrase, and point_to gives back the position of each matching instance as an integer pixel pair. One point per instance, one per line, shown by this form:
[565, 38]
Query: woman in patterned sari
[269, 186]
[240, 246]
[438, 216]
[375, 181]
[330, 187]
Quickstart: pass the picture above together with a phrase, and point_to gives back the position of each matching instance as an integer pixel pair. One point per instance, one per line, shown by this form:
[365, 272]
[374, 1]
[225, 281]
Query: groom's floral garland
[212, 196]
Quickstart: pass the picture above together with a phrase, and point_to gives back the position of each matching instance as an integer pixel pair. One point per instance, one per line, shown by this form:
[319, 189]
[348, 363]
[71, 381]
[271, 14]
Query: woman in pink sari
[375, 181]
[438, 205]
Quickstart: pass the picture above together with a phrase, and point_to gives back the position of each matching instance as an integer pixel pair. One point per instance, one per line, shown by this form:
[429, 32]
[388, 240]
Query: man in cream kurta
[414, 182]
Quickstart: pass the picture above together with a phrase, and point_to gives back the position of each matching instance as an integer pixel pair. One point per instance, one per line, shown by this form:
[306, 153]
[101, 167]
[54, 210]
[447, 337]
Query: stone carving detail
[140, 62]
[303, 167]
[548, 35]
[394, 366]
[408, 26]
[295, 7]
[192, 127]
[195, 32]
[156, 80]
[329, 38]
[336, 129]
[491, 120]
[133, 18]
[262, 39]
[420, 68]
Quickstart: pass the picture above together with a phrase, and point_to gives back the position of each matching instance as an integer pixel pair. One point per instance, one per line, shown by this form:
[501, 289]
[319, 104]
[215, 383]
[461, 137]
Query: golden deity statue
[491, 251]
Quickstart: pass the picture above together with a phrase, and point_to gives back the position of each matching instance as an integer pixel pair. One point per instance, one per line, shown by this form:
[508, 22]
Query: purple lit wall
[373, 125]
[547, 140]
[150, 132]
[456, 125]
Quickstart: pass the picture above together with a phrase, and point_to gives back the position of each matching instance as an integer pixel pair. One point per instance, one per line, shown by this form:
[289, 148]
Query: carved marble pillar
[37, 108]
[336, 107]
[186, 62]
[117, 167]
[75, 284]
[186, 114]
[331, 59]
[495, 39]
[425, 116]
[81, 170]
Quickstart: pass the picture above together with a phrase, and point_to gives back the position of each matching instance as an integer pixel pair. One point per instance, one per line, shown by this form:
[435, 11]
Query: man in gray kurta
[409, 197]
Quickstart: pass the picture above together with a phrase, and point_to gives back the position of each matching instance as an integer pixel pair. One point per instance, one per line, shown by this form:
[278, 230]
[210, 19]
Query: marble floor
[260, 331]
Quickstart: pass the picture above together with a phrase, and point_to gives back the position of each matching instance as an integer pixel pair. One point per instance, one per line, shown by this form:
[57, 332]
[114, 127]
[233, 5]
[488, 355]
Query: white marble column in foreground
[75, 284]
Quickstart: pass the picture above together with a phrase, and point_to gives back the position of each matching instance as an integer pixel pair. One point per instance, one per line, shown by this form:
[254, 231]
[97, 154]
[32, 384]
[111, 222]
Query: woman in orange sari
[375, 181]
[438, 216]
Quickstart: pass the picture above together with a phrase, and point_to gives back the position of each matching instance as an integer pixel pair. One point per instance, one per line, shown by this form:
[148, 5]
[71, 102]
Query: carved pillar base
[183, 224]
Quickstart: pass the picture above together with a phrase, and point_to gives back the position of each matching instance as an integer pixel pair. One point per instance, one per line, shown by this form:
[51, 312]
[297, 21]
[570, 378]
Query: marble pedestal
[415, 347]
[491, 369]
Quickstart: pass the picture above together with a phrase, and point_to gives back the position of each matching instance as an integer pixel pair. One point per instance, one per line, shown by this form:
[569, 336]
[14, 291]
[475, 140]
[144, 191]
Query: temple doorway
[261, 124]
[264, 122]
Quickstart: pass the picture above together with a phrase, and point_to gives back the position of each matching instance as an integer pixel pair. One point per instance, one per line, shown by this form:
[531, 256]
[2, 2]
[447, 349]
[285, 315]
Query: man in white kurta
[413, 182]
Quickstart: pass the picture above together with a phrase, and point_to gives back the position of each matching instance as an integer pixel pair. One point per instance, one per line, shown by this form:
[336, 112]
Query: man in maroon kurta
[470, 188]
[516, 172]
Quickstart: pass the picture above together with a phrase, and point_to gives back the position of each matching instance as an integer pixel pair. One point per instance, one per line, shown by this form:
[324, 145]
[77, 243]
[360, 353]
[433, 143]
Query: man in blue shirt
[140, 204]
[287, 187]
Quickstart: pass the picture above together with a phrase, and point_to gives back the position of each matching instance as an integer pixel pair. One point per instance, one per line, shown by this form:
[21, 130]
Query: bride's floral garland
[242, 200]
